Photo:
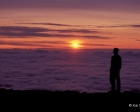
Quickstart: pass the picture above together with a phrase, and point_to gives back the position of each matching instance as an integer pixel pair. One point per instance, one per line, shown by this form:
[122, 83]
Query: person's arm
[111, 63]
[120, 63]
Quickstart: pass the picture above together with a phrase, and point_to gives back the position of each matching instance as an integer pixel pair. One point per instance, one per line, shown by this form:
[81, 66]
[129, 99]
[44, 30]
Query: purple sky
[132, 5]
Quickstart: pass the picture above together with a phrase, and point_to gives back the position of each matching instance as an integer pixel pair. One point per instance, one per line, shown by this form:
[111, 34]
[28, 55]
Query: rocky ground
[71, 99]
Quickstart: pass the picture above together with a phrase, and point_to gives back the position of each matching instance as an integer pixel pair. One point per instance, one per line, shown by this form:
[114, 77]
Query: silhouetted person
[116, 63]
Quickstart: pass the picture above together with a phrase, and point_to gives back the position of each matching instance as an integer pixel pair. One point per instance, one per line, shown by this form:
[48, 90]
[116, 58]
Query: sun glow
[76, 44]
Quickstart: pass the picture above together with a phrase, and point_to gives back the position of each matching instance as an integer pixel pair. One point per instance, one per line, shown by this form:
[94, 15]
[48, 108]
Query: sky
[59, 24]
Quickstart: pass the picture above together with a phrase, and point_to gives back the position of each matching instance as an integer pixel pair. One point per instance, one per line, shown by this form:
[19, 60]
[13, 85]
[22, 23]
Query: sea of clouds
[82, 70]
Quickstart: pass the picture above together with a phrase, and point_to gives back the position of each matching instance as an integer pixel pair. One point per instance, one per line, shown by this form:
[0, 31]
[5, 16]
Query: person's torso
[116, 62]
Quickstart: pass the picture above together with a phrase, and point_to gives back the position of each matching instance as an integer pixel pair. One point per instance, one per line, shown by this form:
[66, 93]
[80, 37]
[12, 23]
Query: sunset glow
[52, 24]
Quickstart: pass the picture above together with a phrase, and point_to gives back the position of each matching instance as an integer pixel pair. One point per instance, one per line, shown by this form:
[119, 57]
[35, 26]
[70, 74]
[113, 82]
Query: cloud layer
[84, 71]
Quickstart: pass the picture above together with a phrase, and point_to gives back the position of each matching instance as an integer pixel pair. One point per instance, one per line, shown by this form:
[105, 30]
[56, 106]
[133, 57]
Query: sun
[76, 44]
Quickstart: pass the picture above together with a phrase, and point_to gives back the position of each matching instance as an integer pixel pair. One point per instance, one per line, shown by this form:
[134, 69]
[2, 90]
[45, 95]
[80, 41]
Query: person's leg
[118, 82]
[112, 82]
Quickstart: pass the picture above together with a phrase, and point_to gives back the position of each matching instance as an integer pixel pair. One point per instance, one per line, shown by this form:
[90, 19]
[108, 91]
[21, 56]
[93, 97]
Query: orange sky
[51, 27]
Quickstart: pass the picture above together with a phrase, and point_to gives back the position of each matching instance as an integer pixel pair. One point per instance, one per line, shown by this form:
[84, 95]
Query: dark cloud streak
[87, 44]
[22, 31]
[135, 26]
[117, 26]
[51, 24]
[59, 25]
[29, 43]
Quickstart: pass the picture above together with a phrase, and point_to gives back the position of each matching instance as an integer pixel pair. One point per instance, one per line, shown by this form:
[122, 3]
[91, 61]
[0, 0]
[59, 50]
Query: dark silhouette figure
[116, 63]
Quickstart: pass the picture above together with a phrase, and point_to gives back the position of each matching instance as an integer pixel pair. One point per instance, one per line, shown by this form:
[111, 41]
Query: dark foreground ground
[69, 99]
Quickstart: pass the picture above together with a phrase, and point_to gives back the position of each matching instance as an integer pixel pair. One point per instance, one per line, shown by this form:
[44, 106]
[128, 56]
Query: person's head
[115, 51]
